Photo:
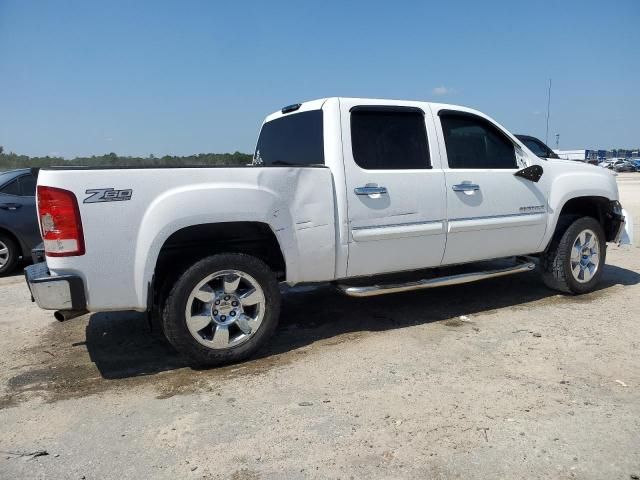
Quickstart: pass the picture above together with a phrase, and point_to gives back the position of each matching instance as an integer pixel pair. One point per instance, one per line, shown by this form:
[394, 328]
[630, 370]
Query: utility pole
[546, 137]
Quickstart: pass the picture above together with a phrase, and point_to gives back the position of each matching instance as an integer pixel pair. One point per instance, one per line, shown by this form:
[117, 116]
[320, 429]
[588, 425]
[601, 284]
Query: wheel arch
[595, 206]
[24, 251]
[189, 244]
[197, 210]
[251, 237]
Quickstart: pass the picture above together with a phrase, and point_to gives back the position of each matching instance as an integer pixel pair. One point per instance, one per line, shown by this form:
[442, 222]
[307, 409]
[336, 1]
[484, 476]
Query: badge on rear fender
[98, 195]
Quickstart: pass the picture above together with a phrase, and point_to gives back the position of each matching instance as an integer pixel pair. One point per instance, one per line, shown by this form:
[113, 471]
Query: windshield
[535, 147]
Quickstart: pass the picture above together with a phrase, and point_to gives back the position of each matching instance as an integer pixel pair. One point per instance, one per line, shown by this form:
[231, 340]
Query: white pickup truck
[342, 190]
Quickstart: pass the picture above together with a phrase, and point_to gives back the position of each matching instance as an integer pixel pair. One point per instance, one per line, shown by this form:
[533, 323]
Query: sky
[182, 77]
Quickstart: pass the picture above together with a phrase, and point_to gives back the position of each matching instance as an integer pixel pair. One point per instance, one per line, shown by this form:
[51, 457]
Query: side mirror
[532, 173]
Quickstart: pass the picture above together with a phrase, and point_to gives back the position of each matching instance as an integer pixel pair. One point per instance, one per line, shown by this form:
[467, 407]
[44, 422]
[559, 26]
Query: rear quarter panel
[123, 238]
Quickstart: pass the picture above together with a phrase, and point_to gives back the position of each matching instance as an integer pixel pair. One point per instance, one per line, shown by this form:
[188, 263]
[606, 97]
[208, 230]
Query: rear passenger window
[28, 186]
[473, 142]
[294, 139]
[389, 139]
[11, 188]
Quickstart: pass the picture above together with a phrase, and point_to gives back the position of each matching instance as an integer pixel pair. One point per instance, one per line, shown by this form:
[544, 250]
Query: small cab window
[389, 139]
[294, 139]
[11, 188]
[473, 142]
[28, 186]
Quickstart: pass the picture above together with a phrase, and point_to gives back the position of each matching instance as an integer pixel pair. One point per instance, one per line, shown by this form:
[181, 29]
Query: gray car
[19, 231]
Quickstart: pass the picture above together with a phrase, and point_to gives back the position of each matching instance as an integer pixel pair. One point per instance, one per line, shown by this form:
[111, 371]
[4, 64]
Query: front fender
[582, 181]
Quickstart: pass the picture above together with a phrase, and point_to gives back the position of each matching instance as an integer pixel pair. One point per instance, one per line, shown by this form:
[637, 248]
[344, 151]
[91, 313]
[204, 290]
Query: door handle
[466, 187]
[10, 206]
[370, 190]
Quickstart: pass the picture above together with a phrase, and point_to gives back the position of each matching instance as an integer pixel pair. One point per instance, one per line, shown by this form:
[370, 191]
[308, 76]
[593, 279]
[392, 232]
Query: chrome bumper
[61, 292]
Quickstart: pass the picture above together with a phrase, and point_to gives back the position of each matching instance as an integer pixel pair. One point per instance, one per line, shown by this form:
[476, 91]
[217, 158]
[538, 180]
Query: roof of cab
[317, 104]
[434, 107]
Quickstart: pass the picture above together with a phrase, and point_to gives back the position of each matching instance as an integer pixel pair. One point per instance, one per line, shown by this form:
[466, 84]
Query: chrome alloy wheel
[4, 254]
[225, 309]
[585, 256]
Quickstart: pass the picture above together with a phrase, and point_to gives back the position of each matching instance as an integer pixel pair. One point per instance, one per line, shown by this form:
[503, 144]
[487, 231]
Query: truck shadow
[121, 344]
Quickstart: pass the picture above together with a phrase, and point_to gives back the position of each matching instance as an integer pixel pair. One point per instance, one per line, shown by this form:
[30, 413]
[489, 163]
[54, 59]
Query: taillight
[60, 222]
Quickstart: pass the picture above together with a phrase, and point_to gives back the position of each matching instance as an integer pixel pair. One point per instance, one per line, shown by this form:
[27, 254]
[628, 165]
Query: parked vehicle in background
[626, 166]
[19, 231]
[343, 190]
[537, 146]
[621, 165]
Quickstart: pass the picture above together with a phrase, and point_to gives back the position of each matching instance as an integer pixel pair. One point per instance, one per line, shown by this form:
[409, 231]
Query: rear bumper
[59, 292]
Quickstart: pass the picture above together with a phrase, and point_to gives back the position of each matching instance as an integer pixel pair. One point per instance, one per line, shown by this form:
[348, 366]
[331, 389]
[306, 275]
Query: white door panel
[401, 227]
[505, 216]
[490, 212]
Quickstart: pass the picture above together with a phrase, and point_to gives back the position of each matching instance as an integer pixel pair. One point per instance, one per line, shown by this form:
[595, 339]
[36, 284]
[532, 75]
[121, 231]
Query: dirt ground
[498, 379]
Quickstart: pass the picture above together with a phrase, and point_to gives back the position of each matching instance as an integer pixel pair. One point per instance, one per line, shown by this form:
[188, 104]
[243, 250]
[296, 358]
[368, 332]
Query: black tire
[13, 254]
[555, 262]
[174, 317]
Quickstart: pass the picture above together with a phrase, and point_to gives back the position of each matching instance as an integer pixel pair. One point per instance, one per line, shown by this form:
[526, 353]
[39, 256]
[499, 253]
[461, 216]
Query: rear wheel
[8, 254]
[222, 309]
[575, 258]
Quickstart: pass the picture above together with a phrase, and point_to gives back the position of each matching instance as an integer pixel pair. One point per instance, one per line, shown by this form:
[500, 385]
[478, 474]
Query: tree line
[10, 161]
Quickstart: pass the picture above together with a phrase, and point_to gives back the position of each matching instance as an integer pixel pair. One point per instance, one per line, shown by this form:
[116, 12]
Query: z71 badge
[98, 195]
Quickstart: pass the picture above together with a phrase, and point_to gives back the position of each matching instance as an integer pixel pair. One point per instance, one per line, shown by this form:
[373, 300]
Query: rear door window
[389, 139]
[473, 142]
[295, 139]
[11, 188]
[28, 186]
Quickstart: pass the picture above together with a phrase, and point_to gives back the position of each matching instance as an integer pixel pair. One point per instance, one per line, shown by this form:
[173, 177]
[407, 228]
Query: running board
[373, 290]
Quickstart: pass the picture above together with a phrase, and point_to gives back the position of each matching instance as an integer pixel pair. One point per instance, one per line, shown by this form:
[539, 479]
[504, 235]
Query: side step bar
[373, 290]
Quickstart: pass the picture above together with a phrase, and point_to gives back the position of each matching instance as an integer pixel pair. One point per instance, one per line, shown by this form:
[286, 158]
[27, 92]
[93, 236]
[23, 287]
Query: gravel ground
[498, 379]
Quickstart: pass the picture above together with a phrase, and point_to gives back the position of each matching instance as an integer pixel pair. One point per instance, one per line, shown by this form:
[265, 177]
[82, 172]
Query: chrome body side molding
[399, 230]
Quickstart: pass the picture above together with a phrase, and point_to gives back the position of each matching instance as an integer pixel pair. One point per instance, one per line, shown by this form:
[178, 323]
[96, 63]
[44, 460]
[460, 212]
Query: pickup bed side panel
[123, 239]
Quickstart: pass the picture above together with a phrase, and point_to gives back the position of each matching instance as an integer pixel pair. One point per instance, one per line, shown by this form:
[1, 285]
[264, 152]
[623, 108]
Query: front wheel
[574, 261]
[222, 309]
